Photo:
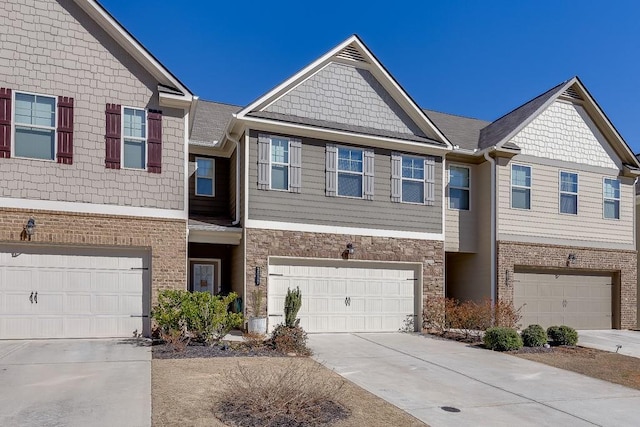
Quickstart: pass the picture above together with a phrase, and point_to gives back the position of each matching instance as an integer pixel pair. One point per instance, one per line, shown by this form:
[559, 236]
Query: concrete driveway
[423, 375]
[75, 383]
[609, 339]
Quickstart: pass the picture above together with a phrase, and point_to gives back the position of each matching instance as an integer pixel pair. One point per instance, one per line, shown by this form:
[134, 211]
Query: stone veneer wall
[166, 238]
[512, 254]
[261, 244]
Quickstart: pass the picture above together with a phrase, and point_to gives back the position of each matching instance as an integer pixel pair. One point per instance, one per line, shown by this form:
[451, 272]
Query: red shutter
[5, 123]
[113, 136]
[65, 130]
[154, 141]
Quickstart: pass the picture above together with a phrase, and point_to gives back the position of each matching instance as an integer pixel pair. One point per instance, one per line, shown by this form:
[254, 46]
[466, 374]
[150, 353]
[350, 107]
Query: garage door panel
[78, 281]
[106, 281]
[49, 303]
[78, 303]
[48, 327]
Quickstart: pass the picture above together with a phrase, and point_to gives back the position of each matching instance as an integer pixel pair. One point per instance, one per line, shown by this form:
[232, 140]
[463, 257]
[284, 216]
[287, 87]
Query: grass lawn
[604, 365]
[184, 393]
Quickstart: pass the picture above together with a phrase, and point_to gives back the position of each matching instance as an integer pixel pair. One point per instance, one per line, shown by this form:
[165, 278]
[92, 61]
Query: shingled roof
[461, 131]
[210, 122]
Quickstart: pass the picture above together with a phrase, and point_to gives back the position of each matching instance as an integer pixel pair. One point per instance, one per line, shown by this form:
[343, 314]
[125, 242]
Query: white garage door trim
[346, 295]
[583, 300]
[73, 292]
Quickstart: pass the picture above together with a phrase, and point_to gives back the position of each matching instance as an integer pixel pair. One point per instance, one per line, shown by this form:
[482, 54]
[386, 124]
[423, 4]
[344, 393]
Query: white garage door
[341, 298]
[579, 301]
[48, 292]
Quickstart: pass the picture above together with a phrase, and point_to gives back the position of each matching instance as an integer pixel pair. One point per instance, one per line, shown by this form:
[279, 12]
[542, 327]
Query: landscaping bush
[290, 339]
[534, 336]
[292, 304]
[182, 315]
[502, 339]
[562, 335]
[293, 395]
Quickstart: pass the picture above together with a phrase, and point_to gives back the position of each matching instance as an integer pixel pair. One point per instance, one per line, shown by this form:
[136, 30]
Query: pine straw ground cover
[190, 392]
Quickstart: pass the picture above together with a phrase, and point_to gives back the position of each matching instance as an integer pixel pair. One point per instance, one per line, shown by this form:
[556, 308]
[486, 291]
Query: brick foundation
[261, 244]
[620, 262]
[165, 238]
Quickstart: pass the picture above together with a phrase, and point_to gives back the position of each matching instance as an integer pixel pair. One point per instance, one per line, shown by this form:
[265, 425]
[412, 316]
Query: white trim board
[331, 229]
[91, 208]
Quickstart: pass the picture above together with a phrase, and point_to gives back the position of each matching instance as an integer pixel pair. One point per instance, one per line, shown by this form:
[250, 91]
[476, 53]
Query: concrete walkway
[75, 383]
[422, 375]
[609, 339]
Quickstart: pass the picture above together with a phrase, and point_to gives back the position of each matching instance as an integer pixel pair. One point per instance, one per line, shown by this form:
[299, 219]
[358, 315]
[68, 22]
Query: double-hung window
[611, 198]
[350, 172]
[279, 164]
[412, 179]
[568, 193]
[205, 183]
[35, 131]
[135, 138]
[520, 187]
[459, 188]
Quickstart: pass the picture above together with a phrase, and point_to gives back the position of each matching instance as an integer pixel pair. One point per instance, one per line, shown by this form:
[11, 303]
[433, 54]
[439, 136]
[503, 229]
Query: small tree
[292, 304]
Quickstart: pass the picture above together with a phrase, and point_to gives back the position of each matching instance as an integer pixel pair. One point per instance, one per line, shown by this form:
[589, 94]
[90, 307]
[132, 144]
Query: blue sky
[473, 58]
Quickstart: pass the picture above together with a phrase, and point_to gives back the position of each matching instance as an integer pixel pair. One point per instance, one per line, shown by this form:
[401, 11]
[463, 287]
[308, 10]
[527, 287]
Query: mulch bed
[196, 350]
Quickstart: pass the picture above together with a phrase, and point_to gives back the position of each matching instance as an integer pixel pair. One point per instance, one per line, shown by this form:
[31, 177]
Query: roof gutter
[492, 161]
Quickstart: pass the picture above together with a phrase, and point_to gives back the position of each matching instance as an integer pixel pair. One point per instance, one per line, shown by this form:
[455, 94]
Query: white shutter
[368, 169]
[330, 173]
[396, 177]
[295, 164]
[264, 151]
[430, 180]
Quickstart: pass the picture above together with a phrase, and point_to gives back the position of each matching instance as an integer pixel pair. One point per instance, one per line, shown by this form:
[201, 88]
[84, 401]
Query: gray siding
[462, 226]
[312, 206]
[217, 206]
[53, 48]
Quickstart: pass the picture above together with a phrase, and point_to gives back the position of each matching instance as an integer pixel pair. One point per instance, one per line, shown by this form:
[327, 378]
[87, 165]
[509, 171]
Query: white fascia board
[174, 101]
[92, 208]
[103, 18]
[347, 137]
[331, 229]
[215, 237]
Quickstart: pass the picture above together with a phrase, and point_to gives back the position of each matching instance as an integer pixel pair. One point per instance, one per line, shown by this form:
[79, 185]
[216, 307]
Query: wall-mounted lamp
[506, 277]
[571, 259]
[28, 230]
[258, 274]
[350, 248]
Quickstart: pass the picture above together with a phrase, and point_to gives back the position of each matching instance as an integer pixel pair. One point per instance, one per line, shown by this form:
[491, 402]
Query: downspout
[494, 261]
[237, 143]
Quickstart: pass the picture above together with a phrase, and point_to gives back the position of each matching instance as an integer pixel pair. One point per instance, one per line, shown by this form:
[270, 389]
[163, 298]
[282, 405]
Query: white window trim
[604, 198]
[145, 139]
[511, 186]
[213, 177]
[13, 125]
[560, 192]
[402, 178]
[348, 172]
[288, 164]
[458, 188]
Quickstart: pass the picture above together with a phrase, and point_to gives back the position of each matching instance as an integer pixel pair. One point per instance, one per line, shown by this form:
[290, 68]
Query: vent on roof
[351, 53]
[572, 94]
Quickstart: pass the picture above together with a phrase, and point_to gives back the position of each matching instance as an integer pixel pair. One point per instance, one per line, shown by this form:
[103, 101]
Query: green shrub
[502, 339]
[290, 339]
[196, 315]
[534, 336]
[292, 304]
[562, 335]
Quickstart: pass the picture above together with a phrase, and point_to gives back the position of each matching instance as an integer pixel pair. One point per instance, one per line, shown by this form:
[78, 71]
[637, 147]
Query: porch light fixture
[571, 259]
[350, 249]
[28, 230]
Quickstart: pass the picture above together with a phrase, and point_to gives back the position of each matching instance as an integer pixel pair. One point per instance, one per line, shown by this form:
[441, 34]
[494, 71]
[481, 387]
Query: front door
[204, 276]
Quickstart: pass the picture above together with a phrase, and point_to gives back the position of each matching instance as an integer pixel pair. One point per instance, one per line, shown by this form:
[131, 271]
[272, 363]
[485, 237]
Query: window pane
[569, 203]
[280, 177]
[569, 182]
[35, 143]
[280, 150]
[459, 199]
[612, 209]
[611, 188]
[134, 123]
[204, 186]
[134, 154]
[521, 198]
[521, 175]
[349, 160]
[413, 191]
[349, 185]
[459, 177]
[35, 110]
[205, 168]
[412, 167]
